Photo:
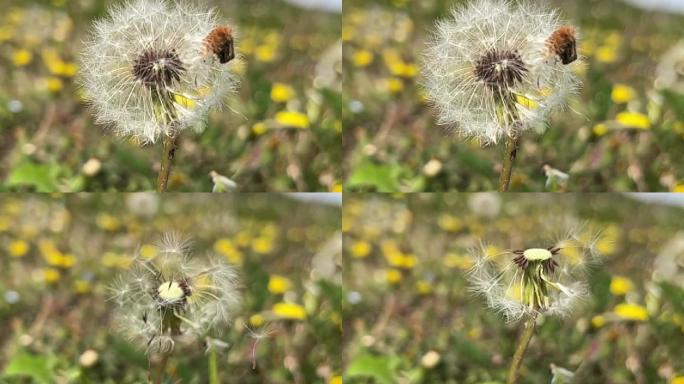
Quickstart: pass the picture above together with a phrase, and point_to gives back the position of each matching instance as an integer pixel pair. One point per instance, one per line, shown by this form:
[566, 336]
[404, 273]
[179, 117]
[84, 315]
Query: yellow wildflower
[393, 276]
[606, 54]
[622, 94]
[148, 251]
[278, 285]
[51, 275]
[677, 380]
[262, 245]
[21, 57]
[362, 58]
[600, 129]
[265, 53]
[256, 320]
[620, 285]
[82, 286]
[634, 120]
[361, 249]
[259, 128]
[289, 311]
[281, 93]
[598, 321]
[395, 85]
[449, 223]
[292, 119]
[18, 248]
[452, 260]
[423, 287]
[631, 312]
[226, 248]
[335, 380]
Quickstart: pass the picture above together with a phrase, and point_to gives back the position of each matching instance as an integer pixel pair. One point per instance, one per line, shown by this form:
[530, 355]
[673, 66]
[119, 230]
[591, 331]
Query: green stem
[168, 154]
[524, 341]
[511, 150]
[213, 367]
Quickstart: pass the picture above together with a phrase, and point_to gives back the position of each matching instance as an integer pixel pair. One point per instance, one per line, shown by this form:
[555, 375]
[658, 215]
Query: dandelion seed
[546, 280]
[172, 294]
[154, 68]
[495, 70]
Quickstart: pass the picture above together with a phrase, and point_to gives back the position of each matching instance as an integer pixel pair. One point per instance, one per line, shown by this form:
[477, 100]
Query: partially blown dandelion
[540, 280]
[174, 295]
[495, 70]
[154, 68]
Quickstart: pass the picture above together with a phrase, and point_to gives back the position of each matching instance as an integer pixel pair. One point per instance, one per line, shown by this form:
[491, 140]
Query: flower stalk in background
[495, 70]
[527, 283]
[154, 68]
[174, 296]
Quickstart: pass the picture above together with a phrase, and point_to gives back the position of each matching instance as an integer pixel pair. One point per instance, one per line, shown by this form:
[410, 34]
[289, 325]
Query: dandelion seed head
[174, 294]
[495, 69]
[146, 71]
[547, 280]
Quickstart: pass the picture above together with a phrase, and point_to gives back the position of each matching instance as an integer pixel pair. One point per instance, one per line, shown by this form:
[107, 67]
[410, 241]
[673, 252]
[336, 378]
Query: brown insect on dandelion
[563, 43]
[220, 42]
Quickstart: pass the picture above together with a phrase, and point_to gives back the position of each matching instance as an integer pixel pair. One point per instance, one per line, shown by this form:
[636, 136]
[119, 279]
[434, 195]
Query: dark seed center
[500, 69]
[158, 68]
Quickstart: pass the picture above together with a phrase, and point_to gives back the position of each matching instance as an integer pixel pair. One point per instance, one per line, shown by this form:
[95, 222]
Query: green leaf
[383, 178]
[36, 367]
[40, 176]
[380, 368]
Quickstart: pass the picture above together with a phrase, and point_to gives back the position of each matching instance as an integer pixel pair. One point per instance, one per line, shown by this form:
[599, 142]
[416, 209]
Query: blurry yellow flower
[598, 321]
[289, 311]
[21, 57]
[606, 54]
[54, 84]
[526, 102]
[6, 33]
[622, 94]
[620, 285]
[259, 128]
[82, 286]
[335, 380]
[281, 93]
[677, 380]
[362, 58]
[184, 101]
[360, 249]
[631, 312]
[51, 275]
[278, 285]
[112, 259]
[600, 129]
[226, 248]
[453, 260]
[402, 69]
[634, 120]
[262, 245]
[449, 222]
[148, 251]
[395, 85]
[256, 320]
[18, 248]
[292, 119]
[66, 261]
[107, 222]
[265, 53]
[393, 276]
[336, 187]
[679, 188]
[423, 287]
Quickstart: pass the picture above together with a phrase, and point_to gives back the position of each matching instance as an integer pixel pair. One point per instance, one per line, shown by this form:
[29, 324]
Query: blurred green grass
[58, 254]
[48, 141]
[391, 141]
[409, 317]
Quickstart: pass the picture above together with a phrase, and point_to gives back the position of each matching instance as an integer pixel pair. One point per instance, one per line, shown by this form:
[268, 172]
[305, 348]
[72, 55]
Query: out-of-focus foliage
[59, 255]
[282, 131]
[410, 318]
[623, 132]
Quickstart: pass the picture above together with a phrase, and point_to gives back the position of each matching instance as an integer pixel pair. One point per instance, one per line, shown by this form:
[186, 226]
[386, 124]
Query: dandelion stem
[170, 144]
[157, 376]
[213, 367]
[524, 341]
[512, 144]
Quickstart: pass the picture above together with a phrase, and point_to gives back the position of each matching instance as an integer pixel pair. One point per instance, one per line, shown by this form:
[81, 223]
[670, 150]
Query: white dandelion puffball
[548, 279]
[174, 294]
[495, 69]
[157, 67]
